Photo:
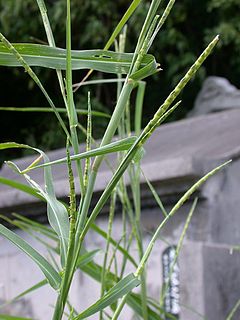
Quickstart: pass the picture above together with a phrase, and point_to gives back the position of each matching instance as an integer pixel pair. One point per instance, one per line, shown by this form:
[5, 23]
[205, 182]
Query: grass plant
[70, 222]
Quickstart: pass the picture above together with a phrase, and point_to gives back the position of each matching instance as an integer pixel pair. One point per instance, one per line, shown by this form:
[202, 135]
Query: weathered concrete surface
[191, 281]
[177, 151]
[221, 280]
[217, 94]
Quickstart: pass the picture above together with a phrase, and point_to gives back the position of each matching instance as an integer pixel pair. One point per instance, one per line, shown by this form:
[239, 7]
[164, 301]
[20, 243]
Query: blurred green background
[192, 24]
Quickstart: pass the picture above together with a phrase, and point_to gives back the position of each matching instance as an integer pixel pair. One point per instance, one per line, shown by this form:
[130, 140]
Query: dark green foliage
[189, 28]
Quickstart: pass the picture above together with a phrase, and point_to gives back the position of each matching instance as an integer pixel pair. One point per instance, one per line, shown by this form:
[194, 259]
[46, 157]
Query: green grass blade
[87, 257]
[39, 227]
[24, 293]
[155, 195]
[7, 317]
[88, 142]
[139, 106]
[133, 300]
[47, 26]
[122, 22]
[57, 212]
[120, 307]
[50, 273]
[183, 199]
[25, 227]
[103, 234]
[162, 20]
[72, 115]
[55, 58]
[9, 145]
[60, 110]
[124, 286]
[233, 311]
[20, 186]
[120, 145]
[179, 247]
[98, 81]
[51, 41]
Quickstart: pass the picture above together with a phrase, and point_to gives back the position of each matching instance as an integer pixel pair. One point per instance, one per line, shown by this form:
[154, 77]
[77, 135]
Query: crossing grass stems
[71, 222]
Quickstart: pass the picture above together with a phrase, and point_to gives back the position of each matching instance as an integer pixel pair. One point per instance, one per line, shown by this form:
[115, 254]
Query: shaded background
[190, 27]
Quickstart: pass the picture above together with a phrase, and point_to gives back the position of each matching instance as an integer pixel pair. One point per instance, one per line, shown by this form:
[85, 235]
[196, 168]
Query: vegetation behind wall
[189, 28]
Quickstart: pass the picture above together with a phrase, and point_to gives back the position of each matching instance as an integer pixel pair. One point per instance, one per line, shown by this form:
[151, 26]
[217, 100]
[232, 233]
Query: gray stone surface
[22, 308]
[221, 280]
[191, 281]
[180, 151]
[217, 94]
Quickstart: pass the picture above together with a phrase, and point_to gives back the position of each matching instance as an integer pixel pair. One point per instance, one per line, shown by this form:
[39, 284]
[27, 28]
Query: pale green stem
[51, 41]
[134, 171]
[234, 310]
[162, 20]
[119, 308]
[63, 295]
[184, 198]
[155, 195]
[109, 235]
[88, 142]
[179, 246]
[73, 119]
[126, 91]
[147, 23]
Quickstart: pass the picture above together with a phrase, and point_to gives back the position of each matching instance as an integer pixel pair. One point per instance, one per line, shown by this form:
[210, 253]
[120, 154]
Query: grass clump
[71, 222]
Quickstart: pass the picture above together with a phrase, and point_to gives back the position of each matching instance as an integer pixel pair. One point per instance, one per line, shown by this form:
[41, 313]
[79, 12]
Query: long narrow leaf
[57, 212]
[55, 58]
[20, 186]
[83, 260]
[133, 300]
[120, 145]
[124, 286]
[122, 22]
[37, 286]
[36, 226]
[60, 110]
[49, 272]
[233, 311]
[155, 195]
[173, 211]
[7, 317]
